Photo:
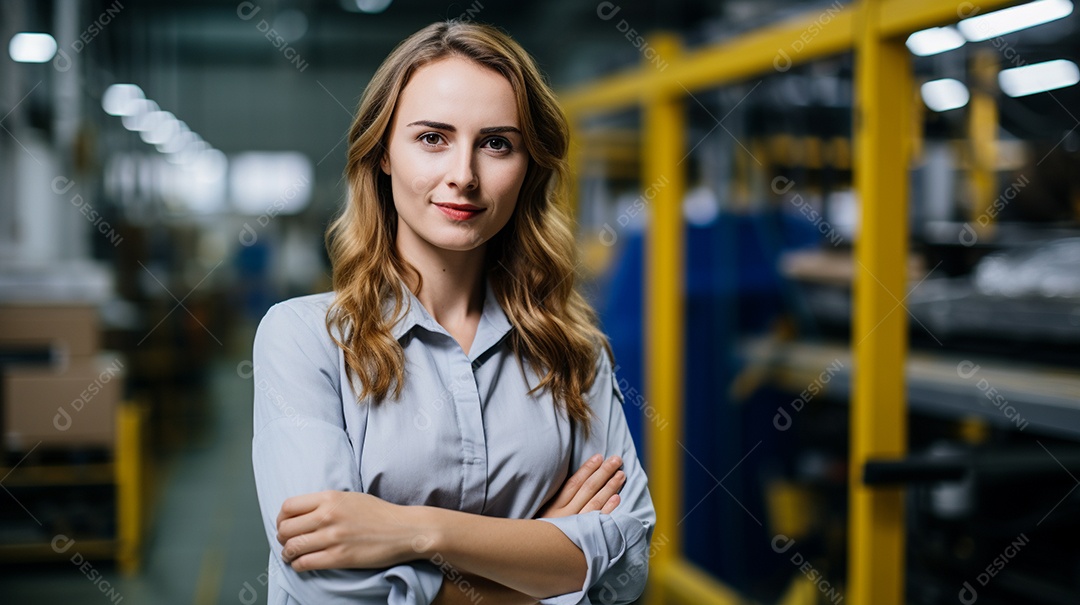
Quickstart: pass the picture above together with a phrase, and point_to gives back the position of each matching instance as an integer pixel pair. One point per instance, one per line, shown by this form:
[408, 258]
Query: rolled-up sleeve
[300, 446]
[616, 546]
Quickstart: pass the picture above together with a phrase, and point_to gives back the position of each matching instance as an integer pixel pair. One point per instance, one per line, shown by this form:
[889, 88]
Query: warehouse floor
[205, 542]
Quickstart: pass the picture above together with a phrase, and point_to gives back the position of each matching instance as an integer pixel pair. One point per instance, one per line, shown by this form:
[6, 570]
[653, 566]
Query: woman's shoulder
[298, 313]
[311, 304]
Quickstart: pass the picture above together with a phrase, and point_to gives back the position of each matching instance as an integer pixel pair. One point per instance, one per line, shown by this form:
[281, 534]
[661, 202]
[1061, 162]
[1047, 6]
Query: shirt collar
[493, 326]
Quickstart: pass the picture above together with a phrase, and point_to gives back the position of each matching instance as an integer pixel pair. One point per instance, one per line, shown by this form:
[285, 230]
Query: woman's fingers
[299, 505]
[571, 485]
[298, 526]
[593, 487]
[610, 505]
[594, 484]
[303, 544]
[603, 497]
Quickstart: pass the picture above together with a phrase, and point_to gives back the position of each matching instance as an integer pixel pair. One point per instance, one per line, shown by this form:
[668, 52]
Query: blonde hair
[530, 262]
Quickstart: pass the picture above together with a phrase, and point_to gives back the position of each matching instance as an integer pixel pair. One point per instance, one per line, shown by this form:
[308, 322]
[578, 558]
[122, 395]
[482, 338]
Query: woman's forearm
[526, 555]
[470, 589]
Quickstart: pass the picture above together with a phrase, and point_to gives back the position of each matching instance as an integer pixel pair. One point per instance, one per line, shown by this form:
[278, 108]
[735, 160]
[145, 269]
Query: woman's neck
[453, 280]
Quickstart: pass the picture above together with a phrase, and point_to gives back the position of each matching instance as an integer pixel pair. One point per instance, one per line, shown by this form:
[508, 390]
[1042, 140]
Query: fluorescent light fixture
[934, 40]
[193, 146]
[28, 47]
[163, 126]
[1039, 77]
[946, 94]
[117, 99]
[270, 182]
[180, 139]
[151, 120]
[211, 166]
[137, 113]
[1014, 19]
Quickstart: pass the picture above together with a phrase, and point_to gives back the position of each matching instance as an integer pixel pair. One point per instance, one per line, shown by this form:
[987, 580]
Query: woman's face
[456, 157]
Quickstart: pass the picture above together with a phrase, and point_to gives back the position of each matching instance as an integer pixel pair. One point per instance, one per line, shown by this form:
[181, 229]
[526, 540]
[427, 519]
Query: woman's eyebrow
[436, 125]
[452, 128]
[497, 129]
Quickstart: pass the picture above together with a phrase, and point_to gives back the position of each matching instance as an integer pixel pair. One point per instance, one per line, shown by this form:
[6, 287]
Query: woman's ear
[385, 163]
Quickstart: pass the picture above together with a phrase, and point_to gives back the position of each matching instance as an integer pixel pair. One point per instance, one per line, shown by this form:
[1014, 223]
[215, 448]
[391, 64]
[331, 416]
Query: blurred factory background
[838, 399]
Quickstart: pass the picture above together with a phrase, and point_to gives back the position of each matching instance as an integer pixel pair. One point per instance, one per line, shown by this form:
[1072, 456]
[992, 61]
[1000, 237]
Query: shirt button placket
[467, 397]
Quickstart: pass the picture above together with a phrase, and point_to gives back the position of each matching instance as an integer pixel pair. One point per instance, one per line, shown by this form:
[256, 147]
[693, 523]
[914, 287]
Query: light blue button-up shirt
[465, 435]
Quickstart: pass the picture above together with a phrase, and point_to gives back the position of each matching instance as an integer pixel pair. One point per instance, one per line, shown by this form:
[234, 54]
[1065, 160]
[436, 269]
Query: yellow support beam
[982, 132]
[883, 114]
[827, 31]
[683, 583]
[130, 419]
[811, 36]
[664, 144]
[575, 168]
[900, 18]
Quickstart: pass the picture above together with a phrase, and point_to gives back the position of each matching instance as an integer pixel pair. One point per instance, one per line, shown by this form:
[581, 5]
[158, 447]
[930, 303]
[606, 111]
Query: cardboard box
[74, 329]
[74, 405]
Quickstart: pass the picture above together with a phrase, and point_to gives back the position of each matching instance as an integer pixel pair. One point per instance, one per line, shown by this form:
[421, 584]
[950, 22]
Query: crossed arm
[505, 560]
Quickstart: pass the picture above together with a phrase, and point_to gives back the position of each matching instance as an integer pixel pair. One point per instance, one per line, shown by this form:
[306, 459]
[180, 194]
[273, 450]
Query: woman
[416, 429]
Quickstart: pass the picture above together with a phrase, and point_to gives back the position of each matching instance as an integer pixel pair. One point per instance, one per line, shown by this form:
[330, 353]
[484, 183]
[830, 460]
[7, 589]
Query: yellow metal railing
[875, 30]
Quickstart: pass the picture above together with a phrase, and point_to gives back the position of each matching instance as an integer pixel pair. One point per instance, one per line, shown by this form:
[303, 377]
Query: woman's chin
[463, 241]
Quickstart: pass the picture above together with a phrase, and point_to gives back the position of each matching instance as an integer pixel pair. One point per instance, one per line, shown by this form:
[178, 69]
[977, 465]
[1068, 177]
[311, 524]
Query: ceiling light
[946, 94]
[1009, 20]
[934, 40]
[117, 100]
[163, 126]
[1040, 77]
[137, 113]
[28, 47]
[181, 139]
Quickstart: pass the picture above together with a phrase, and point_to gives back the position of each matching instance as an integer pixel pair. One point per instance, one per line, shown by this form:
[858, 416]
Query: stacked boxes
[70, 401]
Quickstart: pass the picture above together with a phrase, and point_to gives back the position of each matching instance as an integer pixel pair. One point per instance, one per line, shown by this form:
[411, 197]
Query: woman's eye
[431, 138]
[498, 144]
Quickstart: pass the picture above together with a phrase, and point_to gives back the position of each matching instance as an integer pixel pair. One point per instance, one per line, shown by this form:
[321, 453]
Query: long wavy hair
[530, 263]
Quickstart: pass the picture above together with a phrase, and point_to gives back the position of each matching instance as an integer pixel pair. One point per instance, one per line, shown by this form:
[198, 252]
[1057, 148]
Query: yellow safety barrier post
[982, 130]
[663, 144]
[883, 77]
[129, 485]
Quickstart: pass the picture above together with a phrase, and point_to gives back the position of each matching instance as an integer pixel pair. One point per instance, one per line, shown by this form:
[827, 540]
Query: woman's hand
[594, 486]
[338, 530]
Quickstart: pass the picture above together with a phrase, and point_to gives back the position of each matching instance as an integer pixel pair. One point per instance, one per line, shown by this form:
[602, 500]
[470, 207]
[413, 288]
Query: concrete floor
[205, 543]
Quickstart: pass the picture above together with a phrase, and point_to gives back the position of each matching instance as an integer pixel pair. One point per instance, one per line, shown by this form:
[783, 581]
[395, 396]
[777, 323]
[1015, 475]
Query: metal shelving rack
[126, 472]
[875, 31]
[1016, 395]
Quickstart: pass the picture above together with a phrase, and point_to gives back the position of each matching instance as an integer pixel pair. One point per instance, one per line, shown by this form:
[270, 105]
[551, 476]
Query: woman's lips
[460, 212]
